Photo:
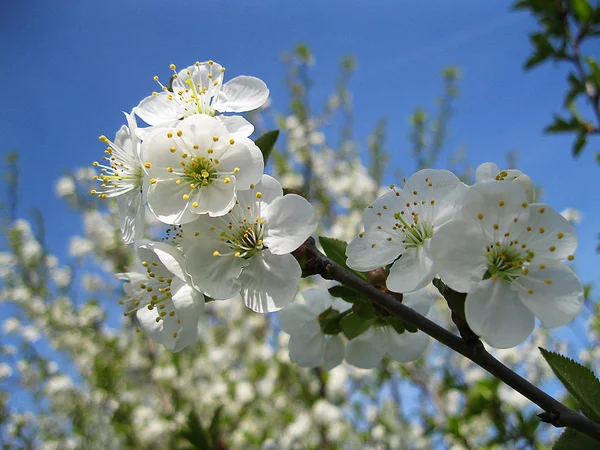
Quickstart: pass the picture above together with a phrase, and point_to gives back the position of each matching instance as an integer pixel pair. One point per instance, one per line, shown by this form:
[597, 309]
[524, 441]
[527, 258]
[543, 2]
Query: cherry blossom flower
[199, 89]
[507, 255]
[308, 345]
[167, 307]
[490, 172]
[122, 177]
[368, 349]
[399, 226]
[248, 250]
[196, 168]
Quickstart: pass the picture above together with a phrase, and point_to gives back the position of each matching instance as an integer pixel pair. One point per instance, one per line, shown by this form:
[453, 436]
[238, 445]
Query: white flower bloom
[507, 255]
[490, 172]
[572, 215]
[308, 345]
[199, 89]
[249, 248]
[166, 306]
[401, 224]
[368, 349]
[122, 177]
[197, 168]
[65, 186]
[79, 246]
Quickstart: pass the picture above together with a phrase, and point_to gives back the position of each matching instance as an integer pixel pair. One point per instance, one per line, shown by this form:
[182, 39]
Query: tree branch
[555, 413]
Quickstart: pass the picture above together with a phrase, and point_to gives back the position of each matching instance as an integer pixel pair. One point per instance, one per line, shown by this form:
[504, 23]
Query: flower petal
[414, 270]
[290, 220]
[552, 237]
[317, 300]
[486, 172]
[165, 200]
[269, 188]
[298, 319]
[367, 350]
[458, 250]
[407, 346]
[556, 302]
[494, 311]
[131, 215]
[269, 282]
[215, 276]
[334, 352]
[307, 351]
[371, 249]
[216, 199]
[189, 305]
[157, 110]
[247, 158]
[421, 300]
[171, 257]
[242, 94]
[236, 125]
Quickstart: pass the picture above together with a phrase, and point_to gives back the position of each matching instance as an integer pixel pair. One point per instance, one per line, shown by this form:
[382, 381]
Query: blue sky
[70, 68]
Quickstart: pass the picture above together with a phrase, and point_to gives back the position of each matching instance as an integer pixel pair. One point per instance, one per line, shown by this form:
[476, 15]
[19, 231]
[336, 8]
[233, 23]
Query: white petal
[494, 312]
[242, 94]
[407, 346]
[421, 300]
[268, 186]
[147, 319]
[449, 204]
[290, 220]
[131, 215]
[155, 150]
[144, 249]
[381, 211]
[334, 352]
[236, 125]
[553, 225]
[165, 200]
[457, 249]
[200, 130]
[367, 350]
[414, 270]
[269, 282]
[307, 351]
[189, 305]
[317, 300]
[216, 276]
[373, 250]
[298, 319]
[486, 172]
[171, 257]
[216, 199]
[133, 280]
[245, 156]
[555, 304]
[158, 110]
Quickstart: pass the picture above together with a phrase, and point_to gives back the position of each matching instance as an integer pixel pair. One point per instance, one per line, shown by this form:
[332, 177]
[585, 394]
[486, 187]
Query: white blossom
[248, 250]
[507, 254]
[401, 224]
[308, 345]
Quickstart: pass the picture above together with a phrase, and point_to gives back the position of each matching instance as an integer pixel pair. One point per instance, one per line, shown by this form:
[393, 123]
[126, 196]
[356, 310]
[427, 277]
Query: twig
[554, 413]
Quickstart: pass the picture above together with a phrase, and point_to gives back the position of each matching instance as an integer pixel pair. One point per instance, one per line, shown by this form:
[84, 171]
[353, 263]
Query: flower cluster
[230, 228]
[487, 240]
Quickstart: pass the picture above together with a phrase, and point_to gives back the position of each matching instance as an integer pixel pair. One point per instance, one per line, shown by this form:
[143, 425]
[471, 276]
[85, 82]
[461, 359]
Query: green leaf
[364, 310]
[215, 425]
[562, 125]
[397, 324]
[354, 326]
[266, 143]
[583, 10]
[347, 294]
[579, 381]
[195, 434]
[335, 250]
[543, 50]
[579, 143]
[572, 439]
[594, 71]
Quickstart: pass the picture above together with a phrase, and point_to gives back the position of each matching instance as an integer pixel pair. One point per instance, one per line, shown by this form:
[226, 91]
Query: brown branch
[555, 413]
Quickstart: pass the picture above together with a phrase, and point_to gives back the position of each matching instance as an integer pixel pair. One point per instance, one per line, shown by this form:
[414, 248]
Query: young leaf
[266, 143]
[583, 10]
[354, 326]
[579, 381]
[572, 439]
[195, 434]
[579, 143]
[335, 250]
[347, 294]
